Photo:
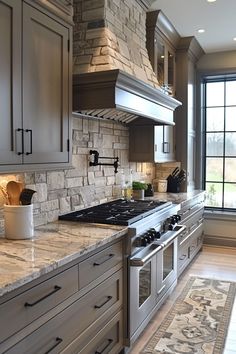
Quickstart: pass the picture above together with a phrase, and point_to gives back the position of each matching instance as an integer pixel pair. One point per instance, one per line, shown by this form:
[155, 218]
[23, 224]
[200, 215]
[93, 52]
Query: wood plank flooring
[212, 262]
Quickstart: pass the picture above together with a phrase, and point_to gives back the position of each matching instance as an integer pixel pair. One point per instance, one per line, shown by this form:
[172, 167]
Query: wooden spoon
[14, 190]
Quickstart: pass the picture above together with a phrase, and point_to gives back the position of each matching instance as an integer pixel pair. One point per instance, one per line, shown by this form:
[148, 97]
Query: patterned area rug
[198, 321]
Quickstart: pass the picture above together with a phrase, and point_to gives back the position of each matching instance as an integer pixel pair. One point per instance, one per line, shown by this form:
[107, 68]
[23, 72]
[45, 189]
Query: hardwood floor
[212, 262]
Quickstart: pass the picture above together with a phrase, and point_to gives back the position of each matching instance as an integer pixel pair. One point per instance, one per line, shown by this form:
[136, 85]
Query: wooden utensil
[14, 190]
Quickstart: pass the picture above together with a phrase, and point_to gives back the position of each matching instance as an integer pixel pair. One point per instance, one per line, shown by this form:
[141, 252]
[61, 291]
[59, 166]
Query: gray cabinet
[62, 8]
[151, 143]
[10, 83]
[36, 107]
[67, 314]
[190, 242]
[156, 143]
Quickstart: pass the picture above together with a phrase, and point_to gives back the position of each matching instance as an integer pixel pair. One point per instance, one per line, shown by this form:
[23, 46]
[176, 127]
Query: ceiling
[217, 18]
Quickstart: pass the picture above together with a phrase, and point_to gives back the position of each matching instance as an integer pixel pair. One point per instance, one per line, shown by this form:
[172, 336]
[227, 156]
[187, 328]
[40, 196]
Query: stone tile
[41, 192]
[55, 180]
[50, 205]
[52, 215]
[57, 194]
[64, 205]
[74, 182]
[40, 177]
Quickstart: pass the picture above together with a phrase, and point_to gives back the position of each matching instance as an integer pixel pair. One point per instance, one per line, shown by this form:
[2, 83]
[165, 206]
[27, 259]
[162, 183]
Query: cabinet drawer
[62, 329]
[195, 244]
[98, 264]
[191, 224]
[183, 257]
[33, 303]
[108, 340]
[187, 212]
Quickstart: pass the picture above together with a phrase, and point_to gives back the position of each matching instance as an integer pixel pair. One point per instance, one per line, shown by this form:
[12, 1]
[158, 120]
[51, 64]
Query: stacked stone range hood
[113, 77]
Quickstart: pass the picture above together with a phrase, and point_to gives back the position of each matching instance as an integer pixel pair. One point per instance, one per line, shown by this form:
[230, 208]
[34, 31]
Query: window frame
[209, 79]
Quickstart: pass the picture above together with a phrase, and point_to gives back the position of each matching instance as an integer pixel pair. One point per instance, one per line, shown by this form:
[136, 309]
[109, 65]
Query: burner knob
[151, 233]
[144, 241]
[154, 233]
[173, 220]
[148, 237]
[171, 226]
[178, 217]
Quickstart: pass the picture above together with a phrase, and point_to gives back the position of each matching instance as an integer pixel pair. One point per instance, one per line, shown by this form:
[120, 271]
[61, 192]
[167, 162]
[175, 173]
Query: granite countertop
[58, 243]
[52, 246]
[178, 198]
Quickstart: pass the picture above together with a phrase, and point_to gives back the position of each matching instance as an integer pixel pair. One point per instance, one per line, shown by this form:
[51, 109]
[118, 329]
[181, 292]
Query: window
[220, 143]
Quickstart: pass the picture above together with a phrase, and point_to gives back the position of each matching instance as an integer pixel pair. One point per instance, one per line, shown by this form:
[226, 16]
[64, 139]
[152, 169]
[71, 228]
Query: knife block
[18, 221]
[173, 185]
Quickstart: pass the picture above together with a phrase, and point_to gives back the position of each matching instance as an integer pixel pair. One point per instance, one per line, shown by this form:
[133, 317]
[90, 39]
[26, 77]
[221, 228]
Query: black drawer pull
[30, 132]
[104, 303]
[182, 257]
[103, 350]
[56, 288]
[58, 341]
[105, 260]
[22, 141]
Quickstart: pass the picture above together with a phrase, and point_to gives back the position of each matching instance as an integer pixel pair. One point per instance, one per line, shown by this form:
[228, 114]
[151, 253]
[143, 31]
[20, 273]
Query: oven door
[167, 266]
[142, 290]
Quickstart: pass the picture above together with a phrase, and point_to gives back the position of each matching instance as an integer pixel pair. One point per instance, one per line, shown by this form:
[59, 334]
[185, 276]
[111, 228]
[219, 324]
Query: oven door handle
[171, 235]
[137, 261]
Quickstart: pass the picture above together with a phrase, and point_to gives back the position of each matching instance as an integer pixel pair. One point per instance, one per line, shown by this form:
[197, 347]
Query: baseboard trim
[219, 241]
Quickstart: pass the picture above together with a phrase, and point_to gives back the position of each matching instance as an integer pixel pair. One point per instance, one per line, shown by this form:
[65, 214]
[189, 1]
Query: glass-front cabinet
[162, 42]
[165, 67]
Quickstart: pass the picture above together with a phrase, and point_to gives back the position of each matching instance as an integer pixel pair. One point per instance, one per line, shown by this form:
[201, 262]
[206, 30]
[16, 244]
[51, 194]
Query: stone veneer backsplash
[111, 34]
[62, 191]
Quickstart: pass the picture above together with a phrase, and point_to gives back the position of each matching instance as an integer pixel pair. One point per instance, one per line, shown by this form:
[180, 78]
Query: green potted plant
[138, 189]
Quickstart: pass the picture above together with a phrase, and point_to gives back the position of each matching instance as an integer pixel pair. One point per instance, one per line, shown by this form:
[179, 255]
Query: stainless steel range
[150, 253]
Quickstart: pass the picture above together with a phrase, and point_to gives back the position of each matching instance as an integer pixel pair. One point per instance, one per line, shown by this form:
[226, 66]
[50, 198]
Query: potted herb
[138, 189]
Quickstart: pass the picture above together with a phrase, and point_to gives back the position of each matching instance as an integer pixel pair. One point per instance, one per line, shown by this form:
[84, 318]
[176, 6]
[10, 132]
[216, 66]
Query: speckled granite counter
[178, 198]
[52, 246]
[56, 244]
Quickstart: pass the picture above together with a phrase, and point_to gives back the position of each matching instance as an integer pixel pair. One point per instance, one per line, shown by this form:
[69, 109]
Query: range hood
[118, 96]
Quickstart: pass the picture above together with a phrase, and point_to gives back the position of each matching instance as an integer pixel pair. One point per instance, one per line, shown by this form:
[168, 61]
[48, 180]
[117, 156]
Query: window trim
[204, 80]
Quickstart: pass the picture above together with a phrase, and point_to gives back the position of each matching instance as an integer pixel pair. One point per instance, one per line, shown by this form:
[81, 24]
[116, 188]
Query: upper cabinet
[162, 40]
[35, 99]
[151, 143]
[157, 141]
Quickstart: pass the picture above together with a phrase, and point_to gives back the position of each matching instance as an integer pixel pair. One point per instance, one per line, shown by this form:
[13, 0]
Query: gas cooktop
[117, 212]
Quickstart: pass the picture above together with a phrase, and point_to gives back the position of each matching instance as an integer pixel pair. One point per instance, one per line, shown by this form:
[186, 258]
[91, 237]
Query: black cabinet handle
[107, 258]
[106, 346]
[30, 132]
[58, 341]
[104, 303]
[22, 141]
[56, 288]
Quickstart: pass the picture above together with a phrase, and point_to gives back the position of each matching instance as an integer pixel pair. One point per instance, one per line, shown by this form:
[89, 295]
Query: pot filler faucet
[96, 163]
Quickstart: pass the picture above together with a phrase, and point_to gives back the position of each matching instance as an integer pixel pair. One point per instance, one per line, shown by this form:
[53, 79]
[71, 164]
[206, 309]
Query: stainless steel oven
[153, 275]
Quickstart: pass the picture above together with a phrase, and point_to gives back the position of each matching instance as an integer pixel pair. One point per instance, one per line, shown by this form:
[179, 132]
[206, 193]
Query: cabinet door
[45, 88]
[10, 82]
[141, 143]
[164, 143]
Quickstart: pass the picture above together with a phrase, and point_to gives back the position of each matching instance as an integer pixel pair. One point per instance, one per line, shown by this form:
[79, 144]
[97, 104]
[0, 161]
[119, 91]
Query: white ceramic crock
[18, 221]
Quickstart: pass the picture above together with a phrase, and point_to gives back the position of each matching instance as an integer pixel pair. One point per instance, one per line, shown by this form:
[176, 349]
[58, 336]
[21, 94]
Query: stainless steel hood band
[118, 96]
